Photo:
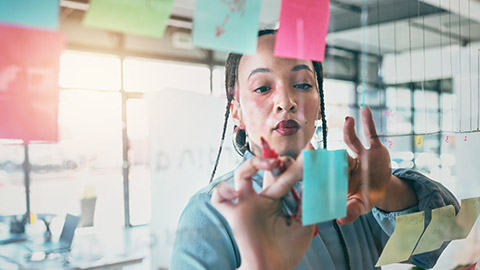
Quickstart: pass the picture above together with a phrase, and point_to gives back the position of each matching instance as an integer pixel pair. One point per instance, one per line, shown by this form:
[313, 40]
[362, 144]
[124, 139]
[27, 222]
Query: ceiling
[386, 26]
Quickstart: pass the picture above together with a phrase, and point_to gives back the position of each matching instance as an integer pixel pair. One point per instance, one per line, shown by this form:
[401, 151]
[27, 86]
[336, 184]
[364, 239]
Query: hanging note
[140, 17]
[303, 29]
[29, 83]
[227, 25]
[30, 13]
[408, 229]
[325, 183]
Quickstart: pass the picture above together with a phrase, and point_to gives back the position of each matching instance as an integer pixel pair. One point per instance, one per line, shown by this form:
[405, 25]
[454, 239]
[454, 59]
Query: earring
[246, 140]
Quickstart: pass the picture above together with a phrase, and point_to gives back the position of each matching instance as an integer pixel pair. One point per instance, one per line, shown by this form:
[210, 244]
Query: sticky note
[30, 13]
[303, 29]
[29, 62]
[438, 231]
[408, 229]
[227, 25]
[140, 17]
[466, 217]
[325, 184]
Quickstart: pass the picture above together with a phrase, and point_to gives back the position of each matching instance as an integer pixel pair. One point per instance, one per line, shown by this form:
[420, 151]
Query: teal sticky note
[140, 17]
[31, 13]
[325, 184]
[227, 25]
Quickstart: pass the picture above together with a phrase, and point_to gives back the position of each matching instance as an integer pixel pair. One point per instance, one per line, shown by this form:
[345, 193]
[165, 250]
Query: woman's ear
[236, 113]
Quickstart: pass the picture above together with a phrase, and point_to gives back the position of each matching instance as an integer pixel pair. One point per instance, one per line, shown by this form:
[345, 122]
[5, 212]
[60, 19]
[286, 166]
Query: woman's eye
[303, 86]
[262, 89]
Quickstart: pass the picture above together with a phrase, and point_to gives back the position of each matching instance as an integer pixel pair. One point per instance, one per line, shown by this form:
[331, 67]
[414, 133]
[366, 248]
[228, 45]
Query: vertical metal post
[26, 172]
[210, 68]
[125, 146]
[412, 120]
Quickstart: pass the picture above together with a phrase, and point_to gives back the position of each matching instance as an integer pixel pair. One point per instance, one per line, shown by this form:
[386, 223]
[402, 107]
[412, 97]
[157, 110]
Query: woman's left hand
[369, 181]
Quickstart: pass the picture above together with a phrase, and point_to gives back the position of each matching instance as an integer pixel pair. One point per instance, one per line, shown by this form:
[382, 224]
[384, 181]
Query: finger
[355, 208]
[350, 136]
[222, 197]
[369, 127]
[352, 162]
[269, 178]
[244, 173]
[285, 181]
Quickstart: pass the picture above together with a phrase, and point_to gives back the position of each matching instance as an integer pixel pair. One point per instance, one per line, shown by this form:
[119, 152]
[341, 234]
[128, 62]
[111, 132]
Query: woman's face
[276, 98]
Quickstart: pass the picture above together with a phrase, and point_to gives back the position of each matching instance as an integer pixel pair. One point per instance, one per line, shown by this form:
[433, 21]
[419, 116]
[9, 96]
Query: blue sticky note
[325, 184]
[227, 25]
[31, 13]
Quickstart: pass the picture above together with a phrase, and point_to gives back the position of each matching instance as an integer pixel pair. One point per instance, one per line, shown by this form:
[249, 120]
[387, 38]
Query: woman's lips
[287, 127]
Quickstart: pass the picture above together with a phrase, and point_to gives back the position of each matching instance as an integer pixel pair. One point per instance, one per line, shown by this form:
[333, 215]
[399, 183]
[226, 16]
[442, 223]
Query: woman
[280, 99]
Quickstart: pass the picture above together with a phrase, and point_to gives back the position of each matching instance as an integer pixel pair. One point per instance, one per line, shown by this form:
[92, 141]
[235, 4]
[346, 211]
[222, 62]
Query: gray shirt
[204, 239]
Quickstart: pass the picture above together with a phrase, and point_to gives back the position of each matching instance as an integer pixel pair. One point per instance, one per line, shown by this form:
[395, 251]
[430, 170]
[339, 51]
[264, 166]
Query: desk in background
[92, 248]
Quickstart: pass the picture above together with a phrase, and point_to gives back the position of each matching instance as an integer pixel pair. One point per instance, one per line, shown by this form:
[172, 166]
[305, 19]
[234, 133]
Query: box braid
[231, 75]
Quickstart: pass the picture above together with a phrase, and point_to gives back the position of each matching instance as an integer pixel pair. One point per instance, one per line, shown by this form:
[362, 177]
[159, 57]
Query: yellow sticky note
[408, 229]
[468, 214]
[438, 231]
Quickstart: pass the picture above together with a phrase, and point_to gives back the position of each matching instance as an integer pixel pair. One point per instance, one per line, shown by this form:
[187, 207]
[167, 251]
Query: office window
[83, 70]
[139, 160]
[86, 161]
[145, 75]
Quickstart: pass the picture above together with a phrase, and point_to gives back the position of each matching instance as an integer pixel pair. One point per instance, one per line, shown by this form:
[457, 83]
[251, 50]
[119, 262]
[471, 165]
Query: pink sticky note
[471, 267]
[303, 29]
[29, 62]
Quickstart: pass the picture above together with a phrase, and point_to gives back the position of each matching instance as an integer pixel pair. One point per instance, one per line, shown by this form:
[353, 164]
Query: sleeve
[203, 239]
[431, 195]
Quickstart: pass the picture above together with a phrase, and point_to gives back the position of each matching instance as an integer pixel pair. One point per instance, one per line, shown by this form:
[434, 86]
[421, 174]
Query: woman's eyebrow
[257, 70]
[300, 67]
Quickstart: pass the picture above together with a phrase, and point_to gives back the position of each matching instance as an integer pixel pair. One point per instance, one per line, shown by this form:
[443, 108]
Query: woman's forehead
[265, 58]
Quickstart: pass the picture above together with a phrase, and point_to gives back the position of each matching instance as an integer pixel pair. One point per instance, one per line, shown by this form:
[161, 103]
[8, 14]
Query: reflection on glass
[138, 157]
[12, 191]
[85, 162]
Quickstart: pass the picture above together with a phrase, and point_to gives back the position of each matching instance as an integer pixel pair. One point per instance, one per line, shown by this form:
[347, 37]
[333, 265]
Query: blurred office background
[107, 78]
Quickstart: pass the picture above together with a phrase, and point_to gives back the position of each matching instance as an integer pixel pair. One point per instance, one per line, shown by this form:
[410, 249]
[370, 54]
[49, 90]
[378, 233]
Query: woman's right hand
[266, 238]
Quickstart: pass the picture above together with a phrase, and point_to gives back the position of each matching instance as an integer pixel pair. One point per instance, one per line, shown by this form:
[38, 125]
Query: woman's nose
[285, 100]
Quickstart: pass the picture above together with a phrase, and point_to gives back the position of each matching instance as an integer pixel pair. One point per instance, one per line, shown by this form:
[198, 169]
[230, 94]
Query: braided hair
[239, 135]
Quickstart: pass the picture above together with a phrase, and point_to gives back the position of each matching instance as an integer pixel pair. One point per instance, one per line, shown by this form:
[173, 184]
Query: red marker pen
[270, 153]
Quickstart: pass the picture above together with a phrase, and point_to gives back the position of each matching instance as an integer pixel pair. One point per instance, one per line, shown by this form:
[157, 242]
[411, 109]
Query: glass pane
[142, 75]
[87, 160]
[373, 97]
[138, 157]
[339, 92]
[425, 100]
[426, 122]
[398, 97]
[89, 71]
[397, 121]
[12, 189]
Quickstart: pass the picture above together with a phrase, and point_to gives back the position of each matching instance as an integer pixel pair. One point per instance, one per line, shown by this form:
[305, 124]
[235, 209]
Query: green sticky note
[438, 231]
[140, 17]
[227, 25]
[325, 184]
[408, 229]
